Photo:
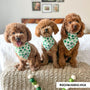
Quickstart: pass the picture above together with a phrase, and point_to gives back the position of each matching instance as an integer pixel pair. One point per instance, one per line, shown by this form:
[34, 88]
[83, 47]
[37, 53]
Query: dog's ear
[63, 31]
[6, 35]
[54, 27]
[29, 35]
[81, 32]
[37, 31]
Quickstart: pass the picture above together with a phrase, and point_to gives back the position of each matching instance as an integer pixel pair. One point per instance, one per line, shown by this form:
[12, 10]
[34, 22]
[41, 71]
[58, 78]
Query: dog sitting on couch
[19, 35]
[72, 28]
[45, 28]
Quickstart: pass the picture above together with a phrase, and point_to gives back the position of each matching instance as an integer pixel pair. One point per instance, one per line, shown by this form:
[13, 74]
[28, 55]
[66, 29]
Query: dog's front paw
[21, 68]
[33, 68]
[17, 65]
[62, 64]
[37, 65]
[73, 63]
[56, 65]
[37, 68]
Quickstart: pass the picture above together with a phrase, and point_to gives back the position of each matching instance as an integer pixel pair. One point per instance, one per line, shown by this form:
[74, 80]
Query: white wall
[14, 10]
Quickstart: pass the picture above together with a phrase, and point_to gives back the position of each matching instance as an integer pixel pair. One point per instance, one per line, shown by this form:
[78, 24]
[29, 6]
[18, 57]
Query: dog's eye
[77, 21]
[70, 22]
[21, 32]
[13, 33]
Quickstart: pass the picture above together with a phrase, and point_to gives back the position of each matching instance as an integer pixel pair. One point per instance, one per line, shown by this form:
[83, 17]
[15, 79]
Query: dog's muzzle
[17, 39]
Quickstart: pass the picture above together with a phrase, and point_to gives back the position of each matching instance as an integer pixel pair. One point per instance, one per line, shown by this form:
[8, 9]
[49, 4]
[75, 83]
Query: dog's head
[72, 24]
[45, 28]
[17, 34]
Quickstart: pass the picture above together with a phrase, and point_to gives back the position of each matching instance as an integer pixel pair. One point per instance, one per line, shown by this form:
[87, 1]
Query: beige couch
[47, 76]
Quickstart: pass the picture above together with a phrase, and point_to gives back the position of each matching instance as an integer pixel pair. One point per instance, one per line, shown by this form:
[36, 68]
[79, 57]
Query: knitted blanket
[47, 77]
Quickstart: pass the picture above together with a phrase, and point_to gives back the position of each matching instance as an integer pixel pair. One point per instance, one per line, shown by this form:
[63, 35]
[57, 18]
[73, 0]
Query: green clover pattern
[71, 41]
[48, 42]
[23, 51]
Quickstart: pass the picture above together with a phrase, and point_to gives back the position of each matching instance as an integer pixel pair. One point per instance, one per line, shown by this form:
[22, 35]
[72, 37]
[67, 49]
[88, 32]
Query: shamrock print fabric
[48, 42]
[71, 41]
[23, 51]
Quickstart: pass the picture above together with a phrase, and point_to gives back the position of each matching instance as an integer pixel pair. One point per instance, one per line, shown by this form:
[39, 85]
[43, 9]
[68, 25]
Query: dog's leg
[38, 61]
[32, 63]
[62, 61]
[17, 65]
[21, 66]
[73, 60]
[55, 63]
[45, 58]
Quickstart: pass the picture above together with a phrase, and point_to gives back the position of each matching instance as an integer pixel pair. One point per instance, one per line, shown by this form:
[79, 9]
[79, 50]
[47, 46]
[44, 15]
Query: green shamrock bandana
[24, 51]
[71, 41]
[48, 42]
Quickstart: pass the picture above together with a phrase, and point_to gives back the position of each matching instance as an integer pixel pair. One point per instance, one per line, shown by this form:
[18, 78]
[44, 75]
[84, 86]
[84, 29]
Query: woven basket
[47, 77]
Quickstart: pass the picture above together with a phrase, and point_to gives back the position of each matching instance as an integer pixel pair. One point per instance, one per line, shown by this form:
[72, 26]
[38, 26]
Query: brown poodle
[72, 28]
[19, 35]
[45, 28]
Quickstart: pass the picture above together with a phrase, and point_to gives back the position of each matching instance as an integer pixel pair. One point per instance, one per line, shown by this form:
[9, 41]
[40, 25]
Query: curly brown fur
[72, 24]
[45, 28]
[17, 30]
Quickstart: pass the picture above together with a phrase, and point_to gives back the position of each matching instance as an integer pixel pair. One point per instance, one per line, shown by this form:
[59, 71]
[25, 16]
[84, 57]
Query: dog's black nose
[75, 26]
[17, 38]
[46, 30]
